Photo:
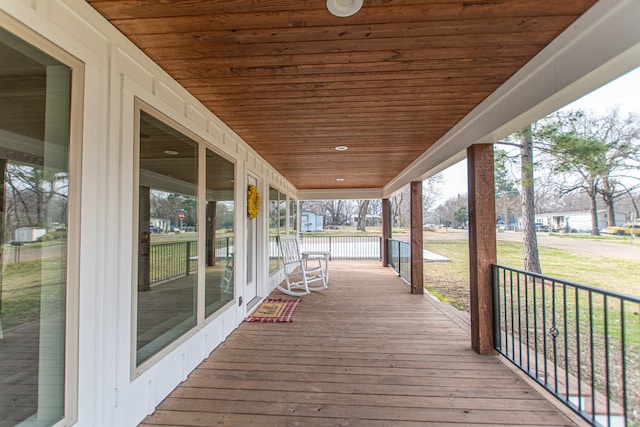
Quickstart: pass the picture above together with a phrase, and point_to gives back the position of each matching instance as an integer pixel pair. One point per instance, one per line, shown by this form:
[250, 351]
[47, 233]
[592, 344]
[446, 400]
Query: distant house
[157, 225]
[310, 221]
[29, 234]
[575, 221]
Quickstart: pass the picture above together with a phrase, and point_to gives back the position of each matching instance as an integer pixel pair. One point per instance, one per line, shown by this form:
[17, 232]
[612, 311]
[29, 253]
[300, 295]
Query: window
[220, 214]
[278, 225]
[282, 213]
[274, 229]
[293, 217]
[35, 118]
[167, 260]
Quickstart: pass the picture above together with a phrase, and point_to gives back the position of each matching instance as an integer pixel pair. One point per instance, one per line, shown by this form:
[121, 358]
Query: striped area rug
[274, 310]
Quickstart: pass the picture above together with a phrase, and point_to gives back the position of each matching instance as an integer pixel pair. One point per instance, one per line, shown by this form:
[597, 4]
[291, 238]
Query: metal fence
[580, 343]
[174, 259]
[344, 247]
[177, 259]
[400, 257]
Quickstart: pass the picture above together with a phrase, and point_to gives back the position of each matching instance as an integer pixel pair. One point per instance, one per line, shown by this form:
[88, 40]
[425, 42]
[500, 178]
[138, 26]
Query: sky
[623, 93]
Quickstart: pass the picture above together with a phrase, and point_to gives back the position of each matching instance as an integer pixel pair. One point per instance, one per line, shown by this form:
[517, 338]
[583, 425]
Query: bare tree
[431, 191]
[334, 209]
[34, 193]
[622, 135]
[363, 209]
[593, 154]
[397, 206]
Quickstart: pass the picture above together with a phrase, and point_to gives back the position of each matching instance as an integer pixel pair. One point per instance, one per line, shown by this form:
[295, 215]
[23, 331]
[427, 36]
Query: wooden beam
[386, 230]
[482, 245]
[417, 280]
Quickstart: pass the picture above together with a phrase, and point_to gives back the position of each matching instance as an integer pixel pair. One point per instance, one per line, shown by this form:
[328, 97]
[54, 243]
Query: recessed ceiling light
[341, 148]
[344, 8]
[171, 152]
[339, 179]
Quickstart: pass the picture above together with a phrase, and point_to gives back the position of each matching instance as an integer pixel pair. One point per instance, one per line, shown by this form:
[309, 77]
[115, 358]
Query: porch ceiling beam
[340, 194]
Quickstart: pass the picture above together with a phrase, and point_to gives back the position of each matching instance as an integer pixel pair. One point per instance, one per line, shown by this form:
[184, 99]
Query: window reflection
[220, 247]
[293, 217]
[274, 229]
[35, 93]
[167, 236]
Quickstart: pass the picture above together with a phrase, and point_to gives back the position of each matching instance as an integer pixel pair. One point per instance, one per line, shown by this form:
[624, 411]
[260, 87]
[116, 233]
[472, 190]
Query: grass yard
[29, 284]
[451, 279]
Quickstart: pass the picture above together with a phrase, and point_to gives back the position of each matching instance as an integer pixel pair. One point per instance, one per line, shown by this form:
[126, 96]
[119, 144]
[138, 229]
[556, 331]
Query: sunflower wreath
[253, 202]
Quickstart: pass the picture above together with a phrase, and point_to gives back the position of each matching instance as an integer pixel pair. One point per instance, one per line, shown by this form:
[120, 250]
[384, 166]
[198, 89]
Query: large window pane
[220, 214]
[274, 223]
[293, 217]
[35, 92]
[282, 214]
[168, 237]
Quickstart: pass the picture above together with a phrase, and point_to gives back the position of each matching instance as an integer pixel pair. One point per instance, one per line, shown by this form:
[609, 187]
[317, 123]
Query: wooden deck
[365, 352]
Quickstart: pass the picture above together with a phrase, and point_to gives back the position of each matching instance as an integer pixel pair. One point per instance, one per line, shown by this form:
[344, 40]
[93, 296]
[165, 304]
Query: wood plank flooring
[364, 352]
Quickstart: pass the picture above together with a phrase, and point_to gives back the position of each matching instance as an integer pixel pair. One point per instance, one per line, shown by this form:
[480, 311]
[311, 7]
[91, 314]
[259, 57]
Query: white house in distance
[575, 221]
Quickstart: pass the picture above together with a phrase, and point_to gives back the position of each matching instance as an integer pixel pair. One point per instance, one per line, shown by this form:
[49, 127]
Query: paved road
[624, 249]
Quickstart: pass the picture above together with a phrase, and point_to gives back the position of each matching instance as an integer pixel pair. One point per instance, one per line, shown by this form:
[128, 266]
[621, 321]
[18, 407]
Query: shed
[310, 221]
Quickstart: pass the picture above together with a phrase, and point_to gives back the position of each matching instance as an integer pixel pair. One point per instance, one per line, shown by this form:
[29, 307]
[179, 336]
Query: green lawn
[451, 279]
[26, 284]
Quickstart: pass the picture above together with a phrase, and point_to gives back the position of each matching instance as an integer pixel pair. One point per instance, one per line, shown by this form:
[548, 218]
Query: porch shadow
[364, 352]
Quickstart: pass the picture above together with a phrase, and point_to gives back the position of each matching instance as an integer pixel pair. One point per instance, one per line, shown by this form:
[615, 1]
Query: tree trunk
[608, 198]
[362, 215]
[530, 240]
[593, 209]
[397, 209]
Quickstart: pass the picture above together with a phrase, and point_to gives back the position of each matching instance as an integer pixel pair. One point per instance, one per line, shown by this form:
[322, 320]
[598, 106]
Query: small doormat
[274, 310]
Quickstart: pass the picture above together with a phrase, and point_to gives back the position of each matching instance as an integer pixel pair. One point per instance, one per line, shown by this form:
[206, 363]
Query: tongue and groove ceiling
[295, 81]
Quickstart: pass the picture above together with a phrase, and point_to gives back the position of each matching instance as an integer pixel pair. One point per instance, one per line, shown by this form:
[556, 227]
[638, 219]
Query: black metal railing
[173, 259]
[580, 343]
[344, 247]
[176, 259]
[399, 253]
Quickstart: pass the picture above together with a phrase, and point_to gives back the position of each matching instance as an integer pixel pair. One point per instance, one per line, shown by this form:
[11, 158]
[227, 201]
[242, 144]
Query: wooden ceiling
[295, 81]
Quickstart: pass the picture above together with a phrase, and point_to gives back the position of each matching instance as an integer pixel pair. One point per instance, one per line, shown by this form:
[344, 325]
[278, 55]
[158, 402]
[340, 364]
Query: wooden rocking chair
[299, 272]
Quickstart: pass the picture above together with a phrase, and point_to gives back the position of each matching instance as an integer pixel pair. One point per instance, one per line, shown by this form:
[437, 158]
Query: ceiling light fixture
[171, 152]
[341, 148]
[344, 8]
[339, 179]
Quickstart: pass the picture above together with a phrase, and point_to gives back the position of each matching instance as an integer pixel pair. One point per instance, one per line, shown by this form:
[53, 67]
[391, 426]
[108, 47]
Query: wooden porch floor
[364, 352]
